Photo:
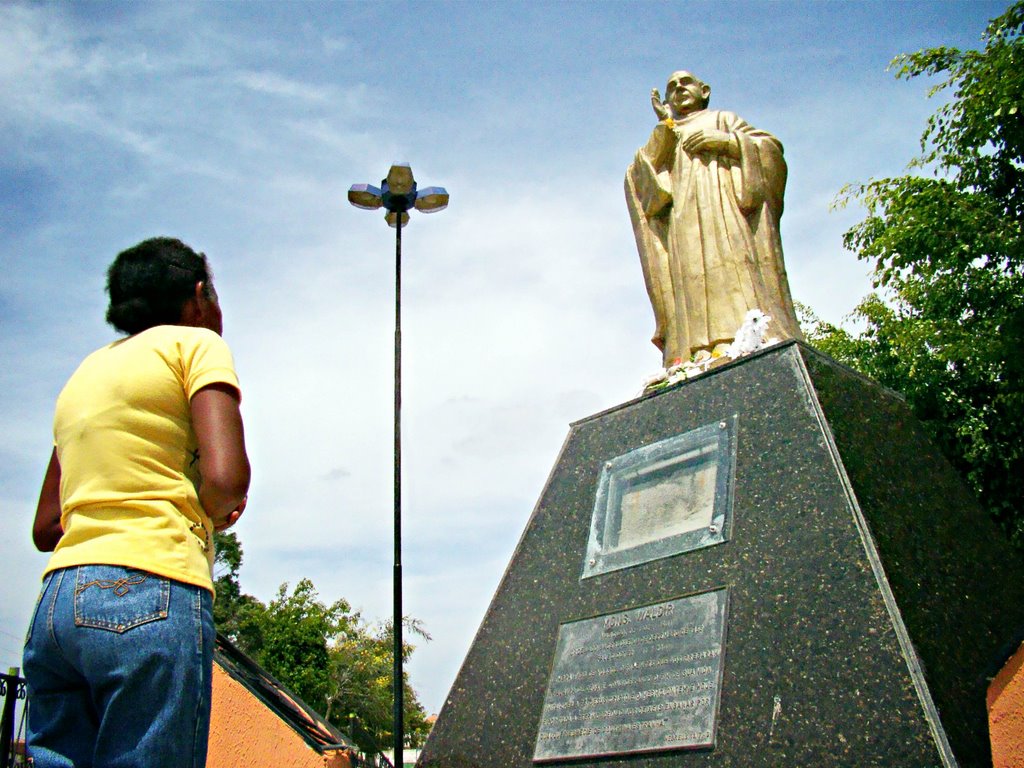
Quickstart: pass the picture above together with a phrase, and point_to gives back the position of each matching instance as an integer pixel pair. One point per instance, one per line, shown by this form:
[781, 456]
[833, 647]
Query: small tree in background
[946, 326]
[230, 602]
[327, 654]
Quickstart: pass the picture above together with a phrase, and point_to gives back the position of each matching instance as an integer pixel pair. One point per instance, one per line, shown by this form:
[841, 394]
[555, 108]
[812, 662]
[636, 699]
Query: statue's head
[686, 93]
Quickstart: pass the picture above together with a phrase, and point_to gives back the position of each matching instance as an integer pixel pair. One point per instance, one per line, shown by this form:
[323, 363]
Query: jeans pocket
[117, 598]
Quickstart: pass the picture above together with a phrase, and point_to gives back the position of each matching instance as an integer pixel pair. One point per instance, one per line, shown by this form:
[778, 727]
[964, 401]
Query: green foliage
[227, 560]
[290, 638]
[946, 327]
[326, 654]
[978, 136]
[362, 671]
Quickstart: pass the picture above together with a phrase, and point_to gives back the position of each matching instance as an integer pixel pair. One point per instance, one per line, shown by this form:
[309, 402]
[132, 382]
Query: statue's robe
[707, 229]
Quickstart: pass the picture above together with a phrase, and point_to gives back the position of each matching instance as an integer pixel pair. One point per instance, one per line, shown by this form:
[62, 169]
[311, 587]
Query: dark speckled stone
[853, 543]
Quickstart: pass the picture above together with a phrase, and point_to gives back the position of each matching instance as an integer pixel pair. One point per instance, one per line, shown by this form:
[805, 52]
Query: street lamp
[398, 194]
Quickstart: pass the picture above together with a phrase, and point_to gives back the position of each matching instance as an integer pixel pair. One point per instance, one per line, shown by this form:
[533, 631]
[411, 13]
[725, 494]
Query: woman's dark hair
[149, 283]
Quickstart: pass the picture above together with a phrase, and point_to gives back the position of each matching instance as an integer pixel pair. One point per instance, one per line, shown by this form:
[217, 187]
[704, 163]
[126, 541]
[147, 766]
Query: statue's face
[685, 94]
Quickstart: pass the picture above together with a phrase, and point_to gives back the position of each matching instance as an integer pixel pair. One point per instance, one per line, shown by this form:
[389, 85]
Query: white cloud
[274, 84]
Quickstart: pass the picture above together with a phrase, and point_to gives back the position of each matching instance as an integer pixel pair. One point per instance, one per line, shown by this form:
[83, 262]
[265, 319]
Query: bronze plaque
[641, 680]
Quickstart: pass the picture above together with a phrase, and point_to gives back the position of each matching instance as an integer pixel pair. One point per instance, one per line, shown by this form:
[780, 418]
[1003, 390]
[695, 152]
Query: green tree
[362, 672]
[230, 601]
[327, 654]
[291, 635]
[946, 325]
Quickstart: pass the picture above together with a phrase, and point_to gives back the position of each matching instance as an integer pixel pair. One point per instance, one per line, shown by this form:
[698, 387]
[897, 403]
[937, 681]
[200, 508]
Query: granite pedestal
[842, 602]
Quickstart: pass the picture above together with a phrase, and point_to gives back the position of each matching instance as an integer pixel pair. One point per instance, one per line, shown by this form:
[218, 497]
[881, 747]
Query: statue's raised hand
[660, 107]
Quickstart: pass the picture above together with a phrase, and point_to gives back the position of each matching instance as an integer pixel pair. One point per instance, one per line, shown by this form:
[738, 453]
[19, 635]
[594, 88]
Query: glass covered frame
[664, 499]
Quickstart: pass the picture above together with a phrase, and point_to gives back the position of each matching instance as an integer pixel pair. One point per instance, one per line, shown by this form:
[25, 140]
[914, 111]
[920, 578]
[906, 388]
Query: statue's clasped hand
[711, 142]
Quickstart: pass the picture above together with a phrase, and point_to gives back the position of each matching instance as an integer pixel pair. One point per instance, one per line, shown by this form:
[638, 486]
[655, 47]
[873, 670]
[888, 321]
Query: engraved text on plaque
[640, 680]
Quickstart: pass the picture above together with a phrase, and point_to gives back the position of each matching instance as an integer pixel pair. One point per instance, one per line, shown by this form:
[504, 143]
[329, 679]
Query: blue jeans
[119, 665]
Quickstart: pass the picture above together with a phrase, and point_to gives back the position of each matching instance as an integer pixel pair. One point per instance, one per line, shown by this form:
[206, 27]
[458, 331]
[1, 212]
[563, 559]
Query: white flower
[751, 336]
[655, 378]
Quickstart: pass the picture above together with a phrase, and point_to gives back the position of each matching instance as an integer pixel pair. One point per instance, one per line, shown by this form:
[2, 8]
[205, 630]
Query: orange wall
[244, 732]
[1006, 714]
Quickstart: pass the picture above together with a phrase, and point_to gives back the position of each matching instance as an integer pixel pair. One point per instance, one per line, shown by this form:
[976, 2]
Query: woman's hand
[232, 517]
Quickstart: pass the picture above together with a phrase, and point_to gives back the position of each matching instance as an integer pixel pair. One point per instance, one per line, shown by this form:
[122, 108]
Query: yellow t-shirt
[128, 454]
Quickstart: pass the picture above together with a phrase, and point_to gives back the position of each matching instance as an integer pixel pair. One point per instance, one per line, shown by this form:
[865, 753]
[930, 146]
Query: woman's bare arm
[223, 463]
[46, 530]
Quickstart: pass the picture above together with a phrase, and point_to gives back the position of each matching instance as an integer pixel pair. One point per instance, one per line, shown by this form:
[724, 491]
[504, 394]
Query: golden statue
[705, 198]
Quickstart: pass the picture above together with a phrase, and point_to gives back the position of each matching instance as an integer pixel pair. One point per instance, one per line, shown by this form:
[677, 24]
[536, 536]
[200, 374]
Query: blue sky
[238, 127]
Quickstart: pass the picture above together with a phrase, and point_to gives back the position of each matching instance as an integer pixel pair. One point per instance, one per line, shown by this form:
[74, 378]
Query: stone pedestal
[833, 595]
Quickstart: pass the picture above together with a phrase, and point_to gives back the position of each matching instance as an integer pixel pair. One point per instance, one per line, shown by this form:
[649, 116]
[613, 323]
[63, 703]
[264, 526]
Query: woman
[149, 459]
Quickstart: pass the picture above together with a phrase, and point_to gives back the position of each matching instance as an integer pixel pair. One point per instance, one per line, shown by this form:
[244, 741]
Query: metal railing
[12, 689]
[371, 761]
[361, 735]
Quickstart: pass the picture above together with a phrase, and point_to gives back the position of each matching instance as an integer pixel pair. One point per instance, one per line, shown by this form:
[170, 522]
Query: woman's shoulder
[178, 333]
[168, 341]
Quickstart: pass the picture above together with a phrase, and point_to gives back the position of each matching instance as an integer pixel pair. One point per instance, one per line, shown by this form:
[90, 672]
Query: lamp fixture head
[398, 194]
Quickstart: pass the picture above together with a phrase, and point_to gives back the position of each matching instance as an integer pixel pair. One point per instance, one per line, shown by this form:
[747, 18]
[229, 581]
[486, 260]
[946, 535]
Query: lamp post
[398, 194]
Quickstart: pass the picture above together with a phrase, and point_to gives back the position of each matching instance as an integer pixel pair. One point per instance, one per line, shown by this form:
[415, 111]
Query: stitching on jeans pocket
[39, 601]
[117, 599]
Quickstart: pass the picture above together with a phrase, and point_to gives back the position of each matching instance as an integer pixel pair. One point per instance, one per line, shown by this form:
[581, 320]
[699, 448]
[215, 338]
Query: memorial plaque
[663, 499]
[641, 680]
